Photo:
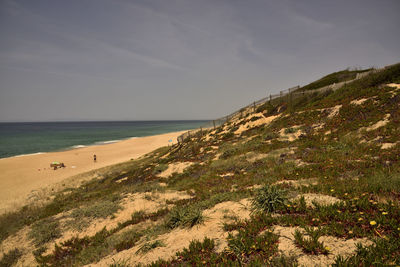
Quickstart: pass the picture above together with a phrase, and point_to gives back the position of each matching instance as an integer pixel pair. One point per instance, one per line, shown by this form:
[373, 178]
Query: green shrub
[160, 168]
[149, 246]
[127, 241]
[290, 130]
[268, 199]
[100, 209]
[310, 245]
[10, 258]
[184, 216]
[199, 253]
[44, 231]
[119, 263]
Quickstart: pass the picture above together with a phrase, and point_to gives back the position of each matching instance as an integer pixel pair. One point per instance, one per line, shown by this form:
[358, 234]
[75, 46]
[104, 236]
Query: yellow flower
[350, 232]
[339, 211]
[288, 205]
[360, 219]
[361, 212]
[328, 248]
[384, 213]
[372, 222]
[332, 190]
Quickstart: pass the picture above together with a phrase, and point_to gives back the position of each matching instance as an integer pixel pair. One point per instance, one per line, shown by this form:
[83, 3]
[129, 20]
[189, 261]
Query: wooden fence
[284, 95]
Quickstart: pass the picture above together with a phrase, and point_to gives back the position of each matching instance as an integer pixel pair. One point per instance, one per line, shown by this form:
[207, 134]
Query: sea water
[21, 138]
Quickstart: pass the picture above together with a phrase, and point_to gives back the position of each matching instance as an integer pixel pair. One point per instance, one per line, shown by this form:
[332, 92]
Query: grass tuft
[186, 216]
[310, 244]
[150, 246]
[268, 199]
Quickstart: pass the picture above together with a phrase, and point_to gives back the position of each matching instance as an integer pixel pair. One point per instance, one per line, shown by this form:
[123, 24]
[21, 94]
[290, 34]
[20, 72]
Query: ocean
[21, 138]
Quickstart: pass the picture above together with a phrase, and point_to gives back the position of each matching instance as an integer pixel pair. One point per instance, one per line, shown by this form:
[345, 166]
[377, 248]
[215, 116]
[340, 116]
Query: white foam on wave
[78, 146]
[107, 142]
[24, 155]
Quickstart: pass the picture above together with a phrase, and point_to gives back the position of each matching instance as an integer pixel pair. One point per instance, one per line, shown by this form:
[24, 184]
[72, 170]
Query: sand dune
[19, 176]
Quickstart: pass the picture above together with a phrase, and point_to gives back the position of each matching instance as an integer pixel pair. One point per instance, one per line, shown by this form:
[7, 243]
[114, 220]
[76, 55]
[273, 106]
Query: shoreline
[23, 175]
[74, 147]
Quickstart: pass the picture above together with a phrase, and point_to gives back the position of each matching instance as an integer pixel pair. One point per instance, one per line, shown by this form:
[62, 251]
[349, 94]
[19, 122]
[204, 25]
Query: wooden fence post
[201, 131]
[214, 124]
[254, 105]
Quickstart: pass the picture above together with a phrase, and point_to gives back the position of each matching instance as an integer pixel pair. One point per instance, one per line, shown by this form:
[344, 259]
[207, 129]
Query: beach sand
[23, 175]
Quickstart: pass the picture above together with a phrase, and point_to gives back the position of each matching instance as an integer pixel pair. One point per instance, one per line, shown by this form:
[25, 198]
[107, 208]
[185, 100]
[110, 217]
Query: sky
[178, 59]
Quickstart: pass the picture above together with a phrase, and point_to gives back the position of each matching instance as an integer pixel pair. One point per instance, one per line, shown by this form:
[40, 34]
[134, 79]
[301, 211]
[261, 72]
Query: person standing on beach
[94, 158]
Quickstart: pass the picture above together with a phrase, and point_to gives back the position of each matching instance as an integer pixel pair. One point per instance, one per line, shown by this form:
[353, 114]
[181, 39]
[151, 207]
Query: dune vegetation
[313, 183]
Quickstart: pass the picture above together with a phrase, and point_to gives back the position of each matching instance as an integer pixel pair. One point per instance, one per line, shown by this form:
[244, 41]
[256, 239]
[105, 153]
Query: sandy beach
[21, 175]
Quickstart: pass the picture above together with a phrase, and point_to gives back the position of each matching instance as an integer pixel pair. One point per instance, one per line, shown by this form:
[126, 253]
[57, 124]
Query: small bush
[310, 245]
[128, 241]
[290, 130]
[269, 199]
[160, 168]
[187, 216]
[119, 263]
[101, 209]
[199, 253]
[44, 231]
[150, 246]
[10, 258]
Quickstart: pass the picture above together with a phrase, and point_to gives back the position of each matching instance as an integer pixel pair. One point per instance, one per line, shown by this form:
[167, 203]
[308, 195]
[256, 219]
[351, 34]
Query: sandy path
[19, 176]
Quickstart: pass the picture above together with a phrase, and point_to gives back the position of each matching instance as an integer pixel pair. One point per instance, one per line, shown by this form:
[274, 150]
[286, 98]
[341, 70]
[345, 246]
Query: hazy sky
[178, 59]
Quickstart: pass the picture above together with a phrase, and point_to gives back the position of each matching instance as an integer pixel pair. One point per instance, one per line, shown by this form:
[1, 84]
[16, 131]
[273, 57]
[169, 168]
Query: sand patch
[290, 135]
[395, 85]
[334, 111]
[253, 157]
[379, 124]
[299, 183]
[147, 202]
[176, 167]
[254, 187]
[228, 174]
[336, 246]
[359, 101]
[209, 136]
[299, 162]
[318, 126]
[388, 145]
[251, 124]
[180, 238]
[323, 200]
